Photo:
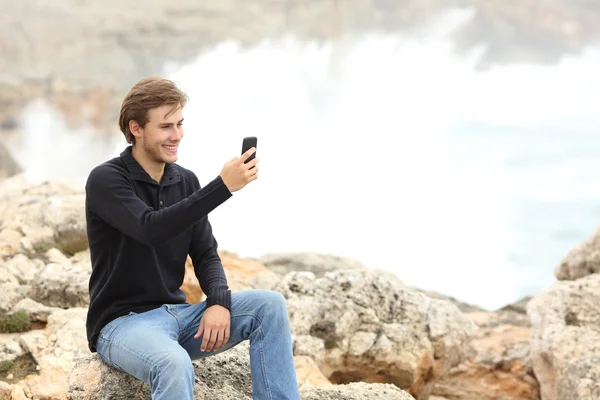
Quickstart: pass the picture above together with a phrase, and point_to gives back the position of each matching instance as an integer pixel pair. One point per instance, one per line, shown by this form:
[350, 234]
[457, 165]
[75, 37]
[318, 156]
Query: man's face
[161, 136]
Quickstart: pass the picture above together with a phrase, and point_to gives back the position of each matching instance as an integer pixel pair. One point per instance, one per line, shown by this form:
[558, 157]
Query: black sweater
[140, 234]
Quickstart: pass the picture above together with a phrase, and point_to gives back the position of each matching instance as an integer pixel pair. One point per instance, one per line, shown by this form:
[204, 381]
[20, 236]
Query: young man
[145, 214]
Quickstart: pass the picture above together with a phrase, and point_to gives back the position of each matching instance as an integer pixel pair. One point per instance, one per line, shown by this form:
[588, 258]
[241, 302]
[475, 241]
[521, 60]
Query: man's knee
[274, 301]
[176, 363]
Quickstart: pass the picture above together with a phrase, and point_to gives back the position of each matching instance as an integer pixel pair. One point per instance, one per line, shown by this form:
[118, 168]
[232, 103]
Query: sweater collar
[171, 174]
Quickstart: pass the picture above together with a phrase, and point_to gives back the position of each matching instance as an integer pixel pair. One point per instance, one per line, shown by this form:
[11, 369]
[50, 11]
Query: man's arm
[110, 195]
[207, 265]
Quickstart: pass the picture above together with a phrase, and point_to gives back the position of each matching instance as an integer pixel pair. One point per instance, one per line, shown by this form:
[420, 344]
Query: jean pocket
[109, 329]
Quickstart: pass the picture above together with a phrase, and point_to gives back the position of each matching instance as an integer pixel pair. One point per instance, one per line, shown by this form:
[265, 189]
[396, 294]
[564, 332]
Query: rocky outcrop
[582, 260]
[359, 326]
[565, 344]
[8, 166]
[499, 366]
[223, 376]
[354, 391]
[44, 214]
[318, 264]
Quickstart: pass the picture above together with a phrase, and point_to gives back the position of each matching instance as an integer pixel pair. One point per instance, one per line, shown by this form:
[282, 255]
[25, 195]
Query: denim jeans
[158, 346]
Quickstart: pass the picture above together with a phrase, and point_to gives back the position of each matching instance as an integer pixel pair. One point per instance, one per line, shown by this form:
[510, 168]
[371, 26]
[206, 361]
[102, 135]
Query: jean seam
[262, 364]
[178, 323]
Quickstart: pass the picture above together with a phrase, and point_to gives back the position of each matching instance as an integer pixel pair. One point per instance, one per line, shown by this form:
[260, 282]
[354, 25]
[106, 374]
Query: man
[145, 214]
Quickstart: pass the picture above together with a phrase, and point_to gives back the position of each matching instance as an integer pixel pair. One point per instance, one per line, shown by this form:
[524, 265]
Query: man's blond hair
[147, 94]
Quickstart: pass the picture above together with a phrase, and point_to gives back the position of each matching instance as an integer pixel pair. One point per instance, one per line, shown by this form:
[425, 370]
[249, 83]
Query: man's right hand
[236, 174]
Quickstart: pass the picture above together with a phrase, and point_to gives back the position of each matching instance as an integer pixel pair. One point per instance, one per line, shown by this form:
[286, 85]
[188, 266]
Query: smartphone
[247, 144]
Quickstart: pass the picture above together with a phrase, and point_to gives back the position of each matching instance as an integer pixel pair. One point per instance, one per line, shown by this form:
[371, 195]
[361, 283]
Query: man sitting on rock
[145, 214]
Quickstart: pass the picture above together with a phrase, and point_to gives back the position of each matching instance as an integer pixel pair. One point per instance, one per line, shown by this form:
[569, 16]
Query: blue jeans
[158, 346]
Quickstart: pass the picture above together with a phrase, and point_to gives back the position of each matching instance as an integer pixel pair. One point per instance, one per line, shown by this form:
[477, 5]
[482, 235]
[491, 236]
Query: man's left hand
[214, 324]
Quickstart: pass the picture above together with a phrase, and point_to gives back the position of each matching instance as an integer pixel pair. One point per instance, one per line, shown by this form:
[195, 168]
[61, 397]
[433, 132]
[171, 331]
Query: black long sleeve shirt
[140, 233]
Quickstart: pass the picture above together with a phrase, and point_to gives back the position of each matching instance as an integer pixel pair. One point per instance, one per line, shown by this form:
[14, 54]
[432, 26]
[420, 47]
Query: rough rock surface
[499, 367]
[318, 264]
[8, 166]
[354, 391]
[565, 343]
[225, 376]
[49, 214]
[62, 285]
[359, 326]
[582, 260]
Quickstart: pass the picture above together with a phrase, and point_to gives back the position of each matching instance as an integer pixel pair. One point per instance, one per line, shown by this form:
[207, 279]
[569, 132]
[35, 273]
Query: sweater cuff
[222, 187]
[222, 298]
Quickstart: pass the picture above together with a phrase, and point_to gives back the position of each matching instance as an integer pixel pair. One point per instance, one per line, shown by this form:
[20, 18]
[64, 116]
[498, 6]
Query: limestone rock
[64, 286]
[11, 293]
[582, 260]
[10, 242]
[8, 166]
[318, 264]
[308, 372]
[222, 376]
[359, 326]
[565, 344]
[50, 214]
[22, 268]
[500, 366]
[37, 311]
[9, 348]
[54, 350]
[354, 391]
[5, 391]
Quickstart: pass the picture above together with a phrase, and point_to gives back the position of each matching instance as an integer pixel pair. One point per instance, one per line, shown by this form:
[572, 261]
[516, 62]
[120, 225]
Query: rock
[582, 260]
[5, 391]
[225, 376]
[92, 379]
[519, 307]
[354, 391]
[54, 351]
[9, 349]
[18, 393]
[222, 376]
[50, 214]
[22, 268]
[464, 307]
[63, 286]
[359, 326]
[500, 366]
[8, 166]
[37, 311]
[191, 286]
[308, 372]
[10, 242]
[243, 273]
[565, 344]
[318, 264]
[11, 293]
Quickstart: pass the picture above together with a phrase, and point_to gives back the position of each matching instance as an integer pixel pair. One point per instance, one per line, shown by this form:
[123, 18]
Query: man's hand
[214, 324]
[235, 174]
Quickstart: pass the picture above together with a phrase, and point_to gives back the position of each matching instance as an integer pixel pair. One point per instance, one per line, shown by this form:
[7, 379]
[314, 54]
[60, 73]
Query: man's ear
[135, 129]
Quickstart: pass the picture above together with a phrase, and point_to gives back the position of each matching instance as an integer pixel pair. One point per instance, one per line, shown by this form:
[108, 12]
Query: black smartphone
[247, 144]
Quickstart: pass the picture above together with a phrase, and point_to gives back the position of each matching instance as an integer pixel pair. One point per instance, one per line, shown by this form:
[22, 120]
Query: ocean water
[390, 149]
